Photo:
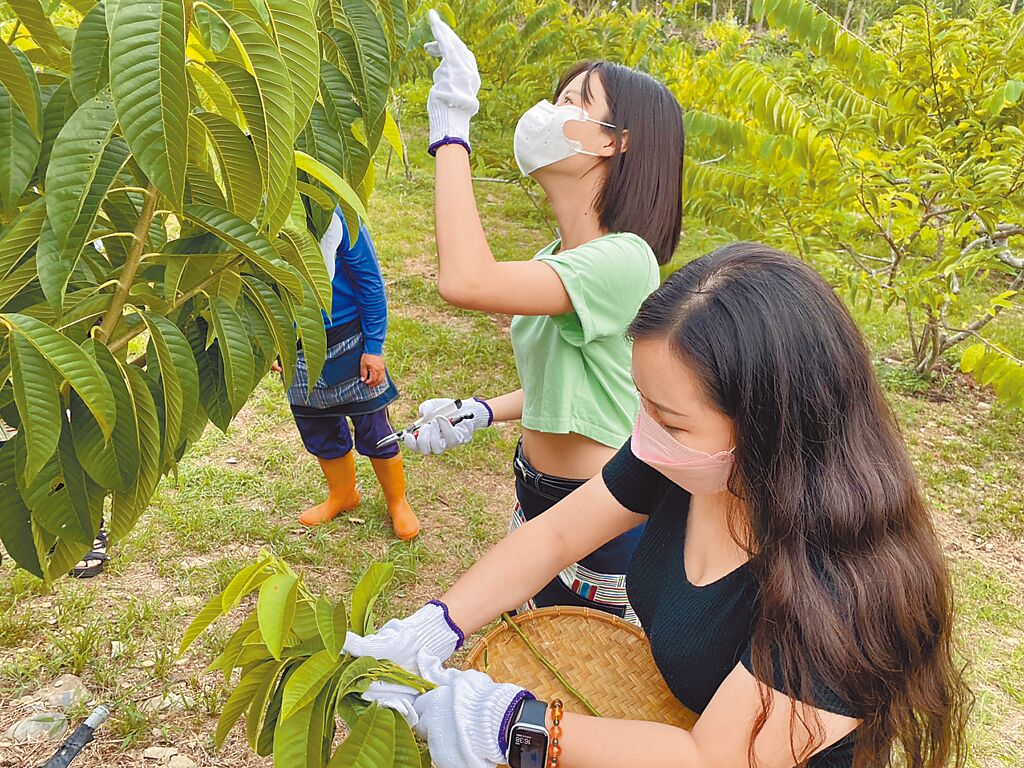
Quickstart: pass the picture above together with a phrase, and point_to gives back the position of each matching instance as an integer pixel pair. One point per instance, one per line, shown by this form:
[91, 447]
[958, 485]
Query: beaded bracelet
[555, 750]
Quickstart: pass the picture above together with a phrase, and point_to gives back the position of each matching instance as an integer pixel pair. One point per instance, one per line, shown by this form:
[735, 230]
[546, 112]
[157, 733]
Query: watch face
[527, 749]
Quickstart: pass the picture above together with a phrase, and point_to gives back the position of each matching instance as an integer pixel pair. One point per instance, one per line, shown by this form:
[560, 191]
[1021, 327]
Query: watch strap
[533, 712]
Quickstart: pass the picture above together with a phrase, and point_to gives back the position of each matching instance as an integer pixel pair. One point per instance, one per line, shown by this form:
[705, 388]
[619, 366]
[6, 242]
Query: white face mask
[540, 138]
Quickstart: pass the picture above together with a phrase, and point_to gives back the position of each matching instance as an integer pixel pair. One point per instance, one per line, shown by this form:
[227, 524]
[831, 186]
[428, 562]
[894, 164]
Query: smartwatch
[528, 736]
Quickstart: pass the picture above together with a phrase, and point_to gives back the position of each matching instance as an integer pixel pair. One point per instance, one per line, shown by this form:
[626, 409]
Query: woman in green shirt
[609, 155]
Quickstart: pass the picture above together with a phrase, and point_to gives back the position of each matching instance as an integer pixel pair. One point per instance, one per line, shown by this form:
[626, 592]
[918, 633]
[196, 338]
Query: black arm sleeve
[635, 485]
[824, 697]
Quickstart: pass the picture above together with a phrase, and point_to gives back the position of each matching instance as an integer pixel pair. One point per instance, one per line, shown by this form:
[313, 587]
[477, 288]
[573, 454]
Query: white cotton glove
[466, 718]
[439, 435]
[452, 101]
[402, 640]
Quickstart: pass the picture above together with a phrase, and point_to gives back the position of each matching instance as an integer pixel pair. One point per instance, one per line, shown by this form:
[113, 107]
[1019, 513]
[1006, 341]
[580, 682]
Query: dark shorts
[598, 580]
[327, 435]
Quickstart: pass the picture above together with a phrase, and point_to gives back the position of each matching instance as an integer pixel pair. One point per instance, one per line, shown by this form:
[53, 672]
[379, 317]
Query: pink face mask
[698, 472]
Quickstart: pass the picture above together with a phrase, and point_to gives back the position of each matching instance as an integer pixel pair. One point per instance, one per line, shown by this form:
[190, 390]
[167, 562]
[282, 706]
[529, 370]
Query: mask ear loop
[585, 119]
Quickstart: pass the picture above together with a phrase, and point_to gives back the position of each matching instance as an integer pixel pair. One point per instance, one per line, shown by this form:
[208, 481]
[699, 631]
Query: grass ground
[241, 492]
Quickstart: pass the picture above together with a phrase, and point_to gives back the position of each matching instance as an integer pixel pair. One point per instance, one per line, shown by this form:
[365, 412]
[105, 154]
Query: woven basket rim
[550, 612]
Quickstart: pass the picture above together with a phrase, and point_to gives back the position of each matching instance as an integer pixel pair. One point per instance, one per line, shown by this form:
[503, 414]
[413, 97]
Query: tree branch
[131, 267]
[123, 340]
[982, 321]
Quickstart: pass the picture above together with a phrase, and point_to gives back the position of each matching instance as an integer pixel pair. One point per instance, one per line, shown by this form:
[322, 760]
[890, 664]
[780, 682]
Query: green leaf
[364, 47]
[241, 699]
[291, 739]
[83, 165]
[310, 323]
[407, 753]
[212, 611]
[270, 307]
[90, 72]
[254, 715]
[72, 363]
[179, 377]
[19, 151]
[332, 623]
[303, 253]
[366, 593]
[295, 31]
[35, 393]
[20, 235]
[357, 676]
[247, 239]
[147, 40]
[971, 356]
[125, 508]
[84, 496]
[236, 157]
[276, 609]
[15, 517]
[307, 682]
[393, 135]
[264, 93]
[35, 19]
[343, 112]
[244, 582]
[18, 77]
[113, 463]
[213, 392]
[371, 743]
[338, 185]
[265, 740]
[236, 349]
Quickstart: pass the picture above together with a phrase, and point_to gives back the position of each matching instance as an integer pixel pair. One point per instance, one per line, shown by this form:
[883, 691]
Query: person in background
[609, 156]
[354, 385]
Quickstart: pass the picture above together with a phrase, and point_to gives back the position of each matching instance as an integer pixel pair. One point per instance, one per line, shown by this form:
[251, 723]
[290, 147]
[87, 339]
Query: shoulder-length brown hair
[644, 190]
[853, 582]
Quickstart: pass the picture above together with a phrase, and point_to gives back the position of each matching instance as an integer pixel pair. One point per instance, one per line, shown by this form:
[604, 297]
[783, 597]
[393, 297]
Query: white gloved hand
[439, 435]
[466, 718]
[452, 101]
[404, 641]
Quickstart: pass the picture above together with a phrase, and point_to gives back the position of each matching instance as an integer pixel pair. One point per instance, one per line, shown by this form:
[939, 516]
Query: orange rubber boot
[391, 474]
[342, 495]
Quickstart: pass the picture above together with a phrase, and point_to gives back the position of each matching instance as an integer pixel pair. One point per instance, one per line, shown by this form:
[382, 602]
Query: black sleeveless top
[698, 634]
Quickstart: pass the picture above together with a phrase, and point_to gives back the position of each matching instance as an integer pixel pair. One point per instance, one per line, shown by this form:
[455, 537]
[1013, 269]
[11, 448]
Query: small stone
[984, 406]
[64, 692]
[170, 701]
[978, 540]
[988, 547]
[45, 726]
[357, 520]
[148, 664]
[231, 460]
[181, 761]
[159, 753]
[116, 648]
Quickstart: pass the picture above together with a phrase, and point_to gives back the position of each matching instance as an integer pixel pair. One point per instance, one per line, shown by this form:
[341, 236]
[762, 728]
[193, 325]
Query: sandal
[93, 562]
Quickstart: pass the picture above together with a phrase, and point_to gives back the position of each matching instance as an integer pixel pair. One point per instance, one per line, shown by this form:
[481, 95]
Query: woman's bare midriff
[571, 456]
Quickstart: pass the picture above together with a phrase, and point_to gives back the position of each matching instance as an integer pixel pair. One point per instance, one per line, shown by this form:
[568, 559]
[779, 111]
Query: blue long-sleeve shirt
[357, 285]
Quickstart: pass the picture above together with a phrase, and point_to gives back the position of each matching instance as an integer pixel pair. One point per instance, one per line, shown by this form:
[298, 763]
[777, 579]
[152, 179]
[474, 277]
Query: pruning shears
[413, 429]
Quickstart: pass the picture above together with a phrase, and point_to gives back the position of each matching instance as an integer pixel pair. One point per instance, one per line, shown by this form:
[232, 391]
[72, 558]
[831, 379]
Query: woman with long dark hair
[789, 578]
[608, 154]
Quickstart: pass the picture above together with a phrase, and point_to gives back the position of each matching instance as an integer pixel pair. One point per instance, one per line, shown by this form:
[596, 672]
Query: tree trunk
[849, 15]
[863, 21]
[746, 14]
[634, 5]
[1013, 7]
[714, 11]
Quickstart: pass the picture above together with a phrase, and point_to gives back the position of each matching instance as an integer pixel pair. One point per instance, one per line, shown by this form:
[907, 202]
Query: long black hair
[644, 190]
[852, 580]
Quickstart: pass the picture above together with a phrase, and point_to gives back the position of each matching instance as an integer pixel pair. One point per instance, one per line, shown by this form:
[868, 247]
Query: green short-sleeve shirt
[575, 368]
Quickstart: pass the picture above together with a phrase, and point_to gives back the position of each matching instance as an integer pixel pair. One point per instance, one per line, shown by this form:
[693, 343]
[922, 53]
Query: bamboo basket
[605, 658]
